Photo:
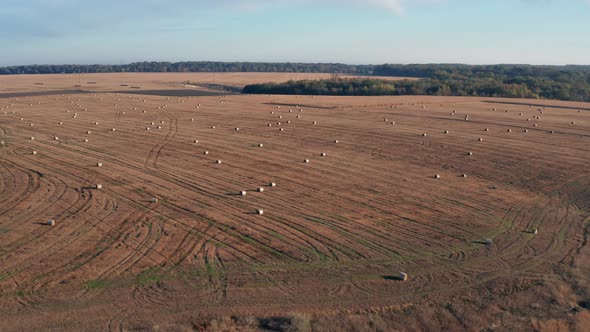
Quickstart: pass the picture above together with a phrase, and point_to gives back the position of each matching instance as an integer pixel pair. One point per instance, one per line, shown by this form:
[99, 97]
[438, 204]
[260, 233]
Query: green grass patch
[97, 284]
[151, 275]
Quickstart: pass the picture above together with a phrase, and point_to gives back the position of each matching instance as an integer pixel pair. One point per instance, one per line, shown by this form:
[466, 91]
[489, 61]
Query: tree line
[192, 66]
[516, 81]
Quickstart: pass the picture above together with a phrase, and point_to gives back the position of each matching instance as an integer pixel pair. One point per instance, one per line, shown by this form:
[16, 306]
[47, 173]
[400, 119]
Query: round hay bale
[509, 130]
[323, 154]
[463, 175]
[424, 135]
[237, 129]
[212, 127]
[260, 189]
[446, 131]
[205, 152]
[282, 129]
[272, 184]
[526, 130]
[403, 276]
[336, 141]
[98, 186]
[480, 139]
[98, 164]
[56, 138]
[470, 153]
[51, 222]
[34, 153]
[113, 129]
[260, 145]
[218, 161]
[86, 140]
[269, 125]
[306, 161]
[436, 176]
[243, 193]
[315, 122]
[196, 141]
[259, 212]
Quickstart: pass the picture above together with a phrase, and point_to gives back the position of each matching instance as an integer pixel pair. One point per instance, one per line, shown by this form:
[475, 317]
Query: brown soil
[335, 233]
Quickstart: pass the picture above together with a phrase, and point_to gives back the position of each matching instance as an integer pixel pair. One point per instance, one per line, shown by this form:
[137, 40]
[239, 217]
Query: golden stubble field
[391, 184]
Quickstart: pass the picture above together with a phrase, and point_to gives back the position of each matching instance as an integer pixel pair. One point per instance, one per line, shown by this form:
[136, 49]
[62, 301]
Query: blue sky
[348, 31]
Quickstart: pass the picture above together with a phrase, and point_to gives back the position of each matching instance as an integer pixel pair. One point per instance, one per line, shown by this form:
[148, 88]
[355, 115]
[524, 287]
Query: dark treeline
[202, 66]
[550, 82]
[517, 81]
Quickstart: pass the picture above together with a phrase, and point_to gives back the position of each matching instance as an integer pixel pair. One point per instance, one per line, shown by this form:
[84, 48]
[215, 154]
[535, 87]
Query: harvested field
[335, 233]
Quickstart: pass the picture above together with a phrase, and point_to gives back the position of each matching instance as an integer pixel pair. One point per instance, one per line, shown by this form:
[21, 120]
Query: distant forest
[550, 82]
[193, 66]
[515, 81]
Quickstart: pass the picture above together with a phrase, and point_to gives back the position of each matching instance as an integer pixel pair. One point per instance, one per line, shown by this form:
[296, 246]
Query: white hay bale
[436, 176]
[573, 122]
[192, 119]
[289, 121]
[218, 161]
[336, 141]
[205, 152]
[61, 123]
[480, 139]
[260, 145]
[98, 164]
[98, 186]
[237, 129]
[96, 123]
[159, 127]
[423, 134]
[269, 125]
[196, 141]
[403, 276]
[323, 154]
[272, 184]
[526, 130]
[56, 138]
[290, 111]
[259, 212]
[463, 175]
[212, 127]
[282, 129]
[535, 125]
[446, 131]
[299, 117]
[86, 140]
[34, 153]
[88, 132]
[260, 189]
[243, 193]
[306, 161]
[315, 122]
[152, 123]
[113, 129]
[509, 130]
[51, 222]
[147, 128]
[487, 129]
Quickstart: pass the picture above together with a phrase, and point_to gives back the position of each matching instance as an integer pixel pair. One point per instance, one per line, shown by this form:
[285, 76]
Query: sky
[343, 31]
